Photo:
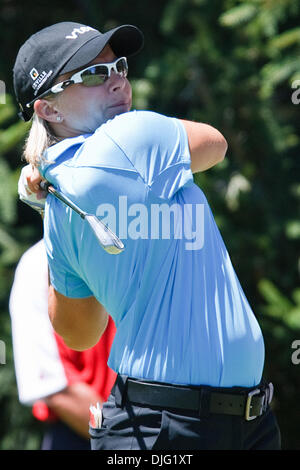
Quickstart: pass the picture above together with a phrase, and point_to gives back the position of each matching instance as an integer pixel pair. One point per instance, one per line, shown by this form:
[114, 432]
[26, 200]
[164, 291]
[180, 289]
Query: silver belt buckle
[248, 404]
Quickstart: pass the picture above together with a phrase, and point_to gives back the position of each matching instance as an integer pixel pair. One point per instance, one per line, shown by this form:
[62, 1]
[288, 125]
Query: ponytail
[40, 137]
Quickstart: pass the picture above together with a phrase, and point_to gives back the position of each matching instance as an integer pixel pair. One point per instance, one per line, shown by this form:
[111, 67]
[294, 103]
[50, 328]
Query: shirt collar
[53, 153]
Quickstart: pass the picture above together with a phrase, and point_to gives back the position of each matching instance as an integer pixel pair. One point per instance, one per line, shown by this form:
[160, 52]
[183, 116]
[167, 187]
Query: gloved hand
[36, 200]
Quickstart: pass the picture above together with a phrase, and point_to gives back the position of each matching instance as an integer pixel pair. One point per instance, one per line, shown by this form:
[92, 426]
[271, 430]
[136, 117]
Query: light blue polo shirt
[181, 314]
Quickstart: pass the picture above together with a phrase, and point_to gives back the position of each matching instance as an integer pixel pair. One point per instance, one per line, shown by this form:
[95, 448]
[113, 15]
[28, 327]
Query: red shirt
[88, 366]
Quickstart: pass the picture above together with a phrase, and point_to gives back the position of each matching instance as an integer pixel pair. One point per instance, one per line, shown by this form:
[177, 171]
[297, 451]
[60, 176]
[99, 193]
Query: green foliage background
[225, 62]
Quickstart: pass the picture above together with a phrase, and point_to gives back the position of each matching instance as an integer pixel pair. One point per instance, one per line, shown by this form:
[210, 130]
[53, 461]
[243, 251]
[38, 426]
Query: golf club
[106, 237]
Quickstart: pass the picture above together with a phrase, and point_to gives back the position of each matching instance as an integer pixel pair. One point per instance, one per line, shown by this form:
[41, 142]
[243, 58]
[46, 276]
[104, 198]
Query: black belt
[247, 402]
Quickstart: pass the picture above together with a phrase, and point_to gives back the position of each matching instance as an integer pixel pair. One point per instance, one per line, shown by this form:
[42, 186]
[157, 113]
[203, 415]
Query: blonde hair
[41, 135]
[40, 138]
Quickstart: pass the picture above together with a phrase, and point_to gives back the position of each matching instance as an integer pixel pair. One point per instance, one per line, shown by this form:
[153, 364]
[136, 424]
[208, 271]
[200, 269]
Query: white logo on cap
[40, 80]
[34, 74]
[81, 30]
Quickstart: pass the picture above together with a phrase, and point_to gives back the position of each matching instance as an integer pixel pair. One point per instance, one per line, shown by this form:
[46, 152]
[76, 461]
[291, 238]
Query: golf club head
[107, 239]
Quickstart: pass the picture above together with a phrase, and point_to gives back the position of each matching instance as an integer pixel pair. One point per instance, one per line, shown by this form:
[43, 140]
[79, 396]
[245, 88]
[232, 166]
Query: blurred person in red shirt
[59, 383]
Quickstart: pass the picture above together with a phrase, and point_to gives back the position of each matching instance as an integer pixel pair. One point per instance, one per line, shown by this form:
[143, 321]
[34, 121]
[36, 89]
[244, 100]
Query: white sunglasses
[93, 75]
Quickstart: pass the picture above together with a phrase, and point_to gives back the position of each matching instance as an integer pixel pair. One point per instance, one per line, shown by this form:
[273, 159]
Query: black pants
[59, 436]
[140, 428]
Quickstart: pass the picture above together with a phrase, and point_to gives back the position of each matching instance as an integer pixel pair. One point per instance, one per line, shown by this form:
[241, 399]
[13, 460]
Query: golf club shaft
[106, 237]
[50, 189]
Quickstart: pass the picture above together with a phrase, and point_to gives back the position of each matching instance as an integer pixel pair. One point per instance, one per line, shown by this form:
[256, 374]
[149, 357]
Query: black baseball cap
[61, 48]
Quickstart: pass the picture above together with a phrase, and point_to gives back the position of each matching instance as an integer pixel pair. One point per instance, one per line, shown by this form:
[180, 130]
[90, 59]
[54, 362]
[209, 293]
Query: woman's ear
[46, 110]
